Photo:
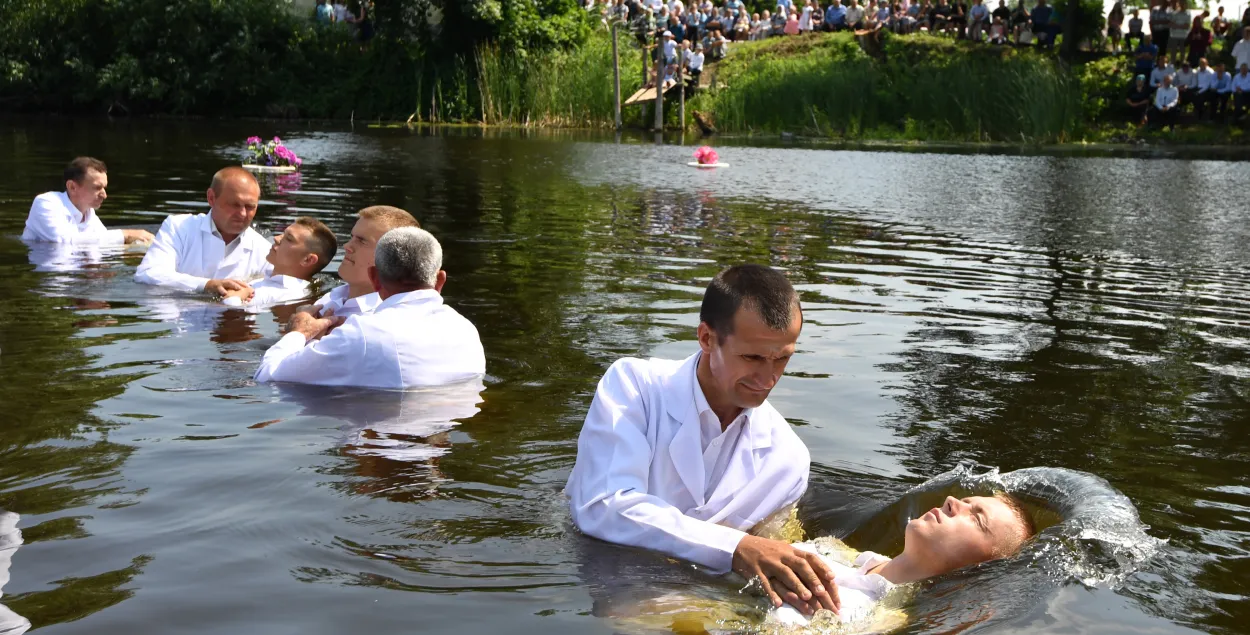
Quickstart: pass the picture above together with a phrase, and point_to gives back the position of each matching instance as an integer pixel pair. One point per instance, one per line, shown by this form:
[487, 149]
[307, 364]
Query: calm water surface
[1088, 313]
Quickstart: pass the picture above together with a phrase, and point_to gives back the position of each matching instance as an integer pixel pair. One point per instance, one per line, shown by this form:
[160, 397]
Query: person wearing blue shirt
[835, 17]
[1221, 88]
[1042, 29]
[325, 13]
[1145, 54]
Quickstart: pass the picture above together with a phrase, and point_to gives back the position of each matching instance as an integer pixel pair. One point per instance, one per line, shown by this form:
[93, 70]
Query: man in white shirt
[70, 217]
[10, 539]
[694, 64]
[1241, 50]
[1205, 89]
[686, 457]
[1162, 69]
[302, 250]
[1186, 83]
[217, 252]
[357, 295]
[1163, 113]
[1241, 90]
[411, 340]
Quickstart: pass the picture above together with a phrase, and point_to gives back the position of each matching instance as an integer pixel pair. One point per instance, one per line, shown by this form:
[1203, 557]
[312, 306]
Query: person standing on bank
[687, 456]
[70, 217]
[217, 252]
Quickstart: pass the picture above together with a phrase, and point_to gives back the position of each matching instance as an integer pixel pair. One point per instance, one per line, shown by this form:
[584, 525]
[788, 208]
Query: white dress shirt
[54, 219]
[641, 476]
[271, 292]
[858, 590]
[1166, 97]
[1206, 79]
[344, 306]
[10, 539]
[1241, 53]
[694, 61]
[1185, 79]
[188, 251]
[412, 339]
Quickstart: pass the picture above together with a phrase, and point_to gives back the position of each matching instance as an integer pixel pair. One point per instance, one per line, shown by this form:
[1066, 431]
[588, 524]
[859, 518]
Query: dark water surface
[1087, 313]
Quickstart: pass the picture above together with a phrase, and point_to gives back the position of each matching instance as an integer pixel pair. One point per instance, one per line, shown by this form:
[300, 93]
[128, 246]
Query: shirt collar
[287, 282]
[411, 297]
[700, 400]
[73, 209]
[212, 229]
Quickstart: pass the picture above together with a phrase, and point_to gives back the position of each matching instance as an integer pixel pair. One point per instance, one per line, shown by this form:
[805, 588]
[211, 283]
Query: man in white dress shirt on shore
[686, 457]
[302, 250]
[217, 252]
[70, 217]
[357, 296]
[410, 340]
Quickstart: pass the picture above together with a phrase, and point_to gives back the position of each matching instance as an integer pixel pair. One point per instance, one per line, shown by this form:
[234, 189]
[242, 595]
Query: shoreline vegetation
[918, 88]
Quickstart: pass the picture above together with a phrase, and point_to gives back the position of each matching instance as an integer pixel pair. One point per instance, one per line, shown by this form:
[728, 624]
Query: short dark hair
[762, 289]
[77, 169]
[322, 241]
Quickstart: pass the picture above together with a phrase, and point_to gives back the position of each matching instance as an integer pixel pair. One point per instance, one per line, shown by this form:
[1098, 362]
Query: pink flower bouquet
[271, 154]
[706, 156]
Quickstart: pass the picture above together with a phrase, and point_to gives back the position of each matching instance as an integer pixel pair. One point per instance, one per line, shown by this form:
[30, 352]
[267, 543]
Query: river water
[1011, 311]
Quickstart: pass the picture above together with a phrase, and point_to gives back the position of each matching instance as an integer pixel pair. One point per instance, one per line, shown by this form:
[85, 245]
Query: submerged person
[412, 339]
[303, 249]
[686, 457]
[357, 295]
[72, 217]
[960, 533]
[217, 252]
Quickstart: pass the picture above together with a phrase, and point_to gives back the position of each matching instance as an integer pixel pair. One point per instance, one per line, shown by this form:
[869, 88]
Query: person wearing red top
[1198, 41]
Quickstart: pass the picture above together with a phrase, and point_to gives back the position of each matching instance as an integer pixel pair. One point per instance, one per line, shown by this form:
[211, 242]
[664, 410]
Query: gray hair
[409, 256]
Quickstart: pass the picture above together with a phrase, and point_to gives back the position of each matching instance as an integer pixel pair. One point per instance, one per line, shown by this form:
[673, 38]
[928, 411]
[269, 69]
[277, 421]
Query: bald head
[233, 197]
[236, 176]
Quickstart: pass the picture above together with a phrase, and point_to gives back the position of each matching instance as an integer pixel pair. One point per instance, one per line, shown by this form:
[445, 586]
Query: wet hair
[389, 217]
[322, 241]
[1028, 528]
[77, 169]
[410, 257]
[762, 289]
[230, 173]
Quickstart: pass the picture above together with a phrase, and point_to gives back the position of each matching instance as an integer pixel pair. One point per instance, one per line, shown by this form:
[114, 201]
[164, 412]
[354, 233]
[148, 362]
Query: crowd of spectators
[358, 18]
[715, 25]
[1177, 65]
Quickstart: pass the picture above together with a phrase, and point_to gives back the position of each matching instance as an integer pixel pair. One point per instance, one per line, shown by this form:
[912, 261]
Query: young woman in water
[960, 533]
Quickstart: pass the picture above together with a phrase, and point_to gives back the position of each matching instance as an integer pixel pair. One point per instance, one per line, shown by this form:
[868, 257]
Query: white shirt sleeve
[47, 223]
[329, 361]
[609, 500]
[160, 264]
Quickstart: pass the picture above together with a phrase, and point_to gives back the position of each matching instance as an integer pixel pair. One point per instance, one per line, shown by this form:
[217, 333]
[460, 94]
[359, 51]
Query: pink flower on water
[706, 156]
[277, 141]
[252, 141]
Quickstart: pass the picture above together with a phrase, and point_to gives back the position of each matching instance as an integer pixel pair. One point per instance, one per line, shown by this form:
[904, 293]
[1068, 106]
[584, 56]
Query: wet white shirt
[344, 306]
[271, 292]
[54, 219]
[858, 590]
[188, 252]
[642, 477]
[10, 539]
[412, 339]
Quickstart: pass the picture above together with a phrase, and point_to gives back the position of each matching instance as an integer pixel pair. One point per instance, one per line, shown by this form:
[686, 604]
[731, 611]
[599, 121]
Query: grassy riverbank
[254, 58]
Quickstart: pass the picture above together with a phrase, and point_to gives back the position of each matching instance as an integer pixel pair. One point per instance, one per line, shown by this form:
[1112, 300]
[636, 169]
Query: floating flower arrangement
[270, 157]
[706, 157]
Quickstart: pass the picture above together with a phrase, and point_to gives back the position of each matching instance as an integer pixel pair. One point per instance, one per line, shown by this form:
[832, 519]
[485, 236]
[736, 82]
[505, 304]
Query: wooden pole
[645, 72]
[681, 86]
[659, 90]
[616, 77]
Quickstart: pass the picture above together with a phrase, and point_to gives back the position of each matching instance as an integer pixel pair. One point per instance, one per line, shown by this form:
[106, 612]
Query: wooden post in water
[659, 92]
[681, 86]
[616, 77]
[645, 71]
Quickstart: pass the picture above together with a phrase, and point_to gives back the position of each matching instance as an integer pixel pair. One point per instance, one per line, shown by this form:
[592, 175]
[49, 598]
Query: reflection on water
[1077, 313]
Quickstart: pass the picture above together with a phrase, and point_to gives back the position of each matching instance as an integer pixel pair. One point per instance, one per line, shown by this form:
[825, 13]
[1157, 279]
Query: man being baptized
[960, 533]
